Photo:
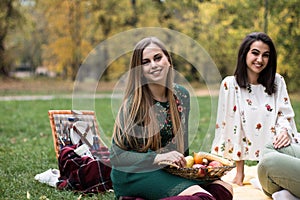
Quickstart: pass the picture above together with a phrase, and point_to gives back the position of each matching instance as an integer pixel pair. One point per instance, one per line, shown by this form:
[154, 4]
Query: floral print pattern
[249, 102]
[163, 114]
[258, 126]
[269, 108]
[253, 119]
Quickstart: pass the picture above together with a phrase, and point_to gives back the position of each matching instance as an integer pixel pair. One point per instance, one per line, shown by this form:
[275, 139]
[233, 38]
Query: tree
[66, 46]
[10, 18]
[284, 29]
[74, 27]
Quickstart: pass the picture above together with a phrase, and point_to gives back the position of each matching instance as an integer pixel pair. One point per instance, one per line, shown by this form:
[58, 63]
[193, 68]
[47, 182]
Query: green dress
[134, 174]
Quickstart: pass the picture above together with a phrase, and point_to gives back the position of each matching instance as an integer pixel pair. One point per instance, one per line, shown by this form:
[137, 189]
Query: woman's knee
[268, 148]
[268, 160]
[193, 190]
[226, 185]
[220, 190]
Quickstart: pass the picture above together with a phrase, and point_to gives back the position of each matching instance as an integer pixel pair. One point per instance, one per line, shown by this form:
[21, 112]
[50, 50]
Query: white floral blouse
[248, 118]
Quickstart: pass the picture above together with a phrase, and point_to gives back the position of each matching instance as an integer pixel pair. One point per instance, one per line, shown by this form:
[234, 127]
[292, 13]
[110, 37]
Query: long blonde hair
[136, 127]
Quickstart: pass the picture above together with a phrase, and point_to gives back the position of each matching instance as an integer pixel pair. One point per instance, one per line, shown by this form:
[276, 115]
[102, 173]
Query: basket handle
[83, 135]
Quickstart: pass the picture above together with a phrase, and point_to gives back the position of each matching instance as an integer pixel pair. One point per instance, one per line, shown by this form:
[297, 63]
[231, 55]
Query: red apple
[196, 166]
[215, 163]
[201, 171]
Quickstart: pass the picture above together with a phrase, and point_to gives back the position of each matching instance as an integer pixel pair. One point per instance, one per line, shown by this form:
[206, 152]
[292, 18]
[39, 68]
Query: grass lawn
[26, 147]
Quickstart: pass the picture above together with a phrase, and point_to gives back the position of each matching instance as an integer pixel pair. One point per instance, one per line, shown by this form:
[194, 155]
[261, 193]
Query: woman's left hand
[282, 140]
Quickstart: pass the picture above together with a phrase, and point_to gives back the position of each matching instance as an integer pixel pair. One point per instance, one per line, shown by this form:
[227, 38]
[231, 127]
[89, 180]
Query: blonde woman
[151, 126]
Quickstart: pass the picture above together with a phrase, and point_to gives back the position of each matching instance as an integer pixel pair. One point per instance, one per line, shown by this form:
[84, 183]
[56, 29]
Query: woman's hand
[173, 156]
[282, 140]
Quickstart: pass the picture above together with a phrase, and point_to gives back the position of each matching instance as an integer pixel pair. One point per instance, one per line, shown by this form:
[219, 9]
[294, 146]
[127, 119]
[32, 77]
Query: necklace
[249, 88]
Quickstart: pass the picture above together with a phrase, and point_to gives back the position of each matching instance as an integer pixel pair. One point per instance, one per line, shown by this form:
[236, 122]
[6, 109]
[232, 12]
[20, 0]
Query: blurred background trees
[59, 34]
[10, 19]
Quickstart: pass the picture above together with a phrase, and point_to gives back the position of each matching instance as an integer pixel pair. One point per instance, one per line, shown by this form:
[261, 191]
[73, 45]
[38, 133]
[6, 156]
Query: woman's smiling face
[155, 65]
[257, 59]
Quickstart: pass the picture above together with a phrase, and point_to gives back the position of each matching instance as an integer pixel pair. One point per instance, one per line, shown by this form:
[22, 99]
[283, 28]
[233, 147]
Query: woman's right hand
[173, 156]
[282, 139]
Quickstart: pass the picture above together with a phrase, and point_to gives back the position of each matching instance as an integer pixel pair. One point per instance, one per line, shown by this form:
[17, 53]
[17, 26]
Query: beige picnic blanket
[249, 191]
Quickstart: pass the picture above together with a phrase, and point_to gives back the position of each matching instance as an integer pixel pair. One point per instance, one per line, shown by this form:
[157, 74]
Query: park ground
[16, 138]
[12, 87]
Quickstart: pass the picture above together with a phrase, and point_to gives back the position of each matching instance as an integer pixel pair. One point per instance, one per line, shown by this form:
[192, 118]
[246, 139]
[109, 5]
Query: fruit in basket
[198, 158]
[201, 171]
[201, 156]
[196, 166]
[205, 161]
[189, 161]
[215, 163]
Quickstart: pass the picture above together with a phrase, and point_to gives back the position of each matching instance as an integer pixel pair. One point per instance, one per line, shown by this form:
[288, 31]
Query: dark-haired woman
[254, 106]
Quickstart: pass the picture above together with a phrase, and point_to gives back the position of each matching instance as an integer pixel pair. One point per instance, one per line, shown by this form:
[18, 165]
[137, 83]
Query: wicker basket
[207, 172]
[61, 121]
[192, 173]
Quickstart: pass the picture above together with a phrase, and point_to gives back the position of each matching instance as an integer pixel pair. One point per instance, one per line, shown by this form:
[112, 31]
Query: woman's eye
[255, 53]
[157, 58]
[145, 62]
[266, 55]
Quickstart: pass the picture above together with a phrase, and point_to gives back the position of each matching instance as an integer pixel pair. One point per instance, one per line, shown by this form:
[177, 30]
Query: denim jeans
[280, 169]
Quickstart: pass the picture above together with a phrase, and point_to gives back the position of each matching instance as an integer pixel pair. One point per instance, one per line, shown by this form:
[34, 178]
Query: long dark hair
[267, 76]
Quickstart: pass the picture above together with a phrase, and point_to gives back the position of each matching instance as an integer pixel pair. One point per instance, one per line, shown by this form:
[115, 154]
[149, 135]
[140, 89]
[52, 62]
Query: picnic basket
[208, 173]
[61, 122]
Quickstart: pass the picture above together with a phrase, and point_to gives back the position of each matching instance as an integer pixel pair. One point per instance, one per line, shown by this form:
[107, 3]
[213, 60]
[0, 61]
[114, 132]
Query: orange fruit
[198, 158]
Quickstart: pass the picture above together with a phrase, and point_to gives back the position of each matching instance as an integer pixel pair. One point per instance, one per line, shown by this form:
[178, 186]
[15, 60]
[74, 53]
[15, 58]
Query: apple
[215, 163]
[197, 166]
[189, 161]
[201, 171]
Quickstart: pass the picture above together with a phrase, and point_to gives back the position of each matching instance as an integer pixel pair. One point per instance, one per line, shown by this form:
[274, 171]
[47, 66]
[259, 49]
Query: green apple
[189, 161]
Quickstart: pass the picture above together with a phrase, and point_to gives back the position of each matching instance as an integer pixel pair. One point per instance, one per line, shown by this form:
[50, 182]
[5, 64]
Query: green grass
[26, 147]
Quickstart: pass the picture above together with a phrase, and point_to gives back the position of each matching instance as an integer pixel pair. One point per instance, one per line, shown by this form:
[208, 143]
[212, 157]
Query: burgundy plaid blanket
[84, 174]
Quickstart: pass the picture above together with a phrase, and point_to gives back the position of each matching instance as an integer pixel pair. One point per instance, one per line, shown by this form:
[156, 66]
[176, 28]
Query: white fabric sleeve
[285, 112]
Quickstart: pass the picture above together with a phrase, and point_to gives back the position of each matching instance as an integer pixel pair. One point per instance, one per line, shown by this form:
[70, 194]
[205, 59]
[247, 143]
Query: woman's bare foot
[238, 179]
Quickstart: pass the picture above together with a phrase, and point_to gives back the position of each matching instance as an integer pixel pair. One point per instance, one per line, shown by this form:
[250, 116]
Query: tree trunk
[4, 67]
